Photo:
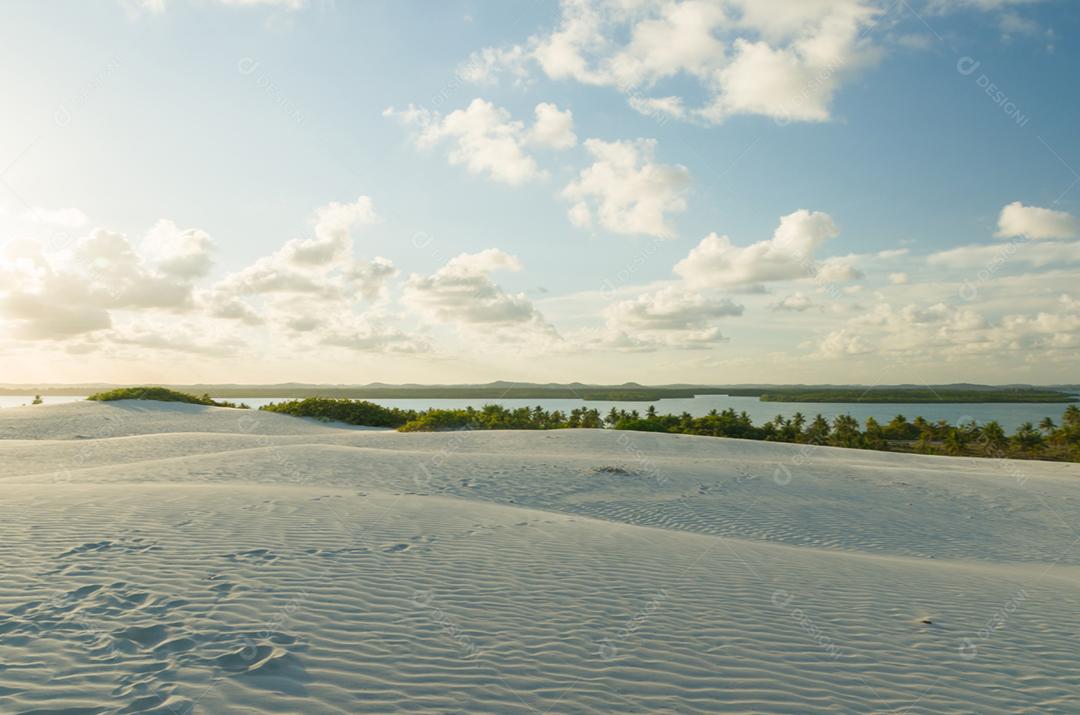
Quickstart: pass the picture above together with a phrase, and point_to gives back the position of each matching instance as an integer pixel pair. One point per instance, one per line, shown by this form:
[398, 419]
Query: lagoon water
[1010, 415]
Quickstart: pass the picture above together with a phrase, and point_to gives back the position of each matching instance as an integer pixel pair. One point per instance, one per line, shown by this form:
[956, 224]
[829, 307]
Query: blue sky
[158, 157]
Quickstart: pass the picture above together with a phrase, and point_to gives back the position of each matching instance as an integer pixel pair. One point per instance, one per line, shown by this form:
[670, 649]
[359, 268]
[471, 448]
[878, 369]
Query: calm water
[1010, 415]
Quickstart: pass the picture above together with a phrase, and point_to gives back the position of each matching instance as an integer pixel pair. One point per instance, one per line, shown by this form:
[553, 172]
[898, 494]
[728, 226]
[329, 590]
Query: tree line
[1047, 440]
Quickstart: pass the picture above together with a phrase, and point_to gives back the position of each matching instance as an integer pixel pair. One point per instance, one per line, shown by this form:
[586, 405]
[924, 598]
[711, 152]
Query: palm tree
[955, 441]
[900, 428]
[875, 435]
[818, 431]
[1046, 426]
[925, 443]
[845, 432]
[1027, 438]
[993, 437]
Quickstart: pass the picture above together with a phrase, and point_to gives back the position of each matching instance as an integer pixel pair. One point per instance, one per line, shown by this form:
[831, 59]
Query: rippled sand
[179, 559]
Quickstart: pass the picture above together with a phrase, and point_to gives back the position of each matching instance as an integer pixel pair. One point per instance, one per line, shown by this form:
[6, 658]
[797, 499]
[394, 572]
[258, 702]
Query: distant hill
[627, 391]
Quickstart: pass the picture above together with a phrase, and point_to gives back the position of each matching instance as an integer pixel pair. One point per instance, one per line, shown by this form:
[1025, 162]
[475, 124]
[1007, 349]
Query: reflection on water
[1010, 415]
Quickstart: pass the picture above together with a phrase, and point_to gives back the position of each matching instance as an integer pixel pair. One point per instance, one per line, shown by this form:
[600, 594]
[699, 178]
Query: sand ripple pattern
[343, 572]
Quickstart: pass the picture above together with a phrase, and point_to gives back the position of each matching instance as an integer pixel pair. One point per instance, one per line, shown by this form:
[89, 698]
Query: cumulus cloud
[670, 309]
[788, 255]
[839, 343]
[553, 127]
[321, 266]
[836, 270]
[462, 293]
[626, 191]
[370, 333]
[796, 302]
[943, 332]
[670, 317]
[110, 293]
[1034, 222]
[1044, 233]
[486, 140]
[76, 292]
[40, 316]
[779, 59]
[182, 254]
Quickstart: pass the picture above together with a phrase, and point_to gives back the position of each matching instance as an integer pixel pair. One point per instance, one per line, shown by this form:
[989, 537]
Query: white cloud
[796, 302]
[679, 38]
[322, 266]
[37, 316]
[553, 127]
[943, 6]
[932, 333]
[307, 291]
[671, 308]
[627, 191]
[369, 333]
[992, 257]
[486, 140]
[484, 66]
[462, 293]
[837, 270]
[898, 279]
[839, 343]
[76, 292]
[780, 59]
[182, 254]
[788, 255]
[1034, 222]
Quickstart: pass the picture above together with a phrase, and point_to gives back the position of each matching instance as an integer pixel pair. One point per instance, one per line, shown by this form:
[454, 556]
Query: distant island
[625, 392]
[887, 395]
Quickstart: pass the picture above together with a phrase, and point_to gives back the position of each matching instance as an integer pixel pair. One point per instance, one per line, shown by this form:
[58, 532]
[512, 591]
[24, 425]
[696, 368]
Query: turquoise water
[1010, 415]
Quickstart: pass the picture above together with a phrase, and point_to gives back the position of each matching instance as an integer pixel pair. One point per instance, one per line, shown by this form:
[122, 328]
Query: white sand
[173, 559]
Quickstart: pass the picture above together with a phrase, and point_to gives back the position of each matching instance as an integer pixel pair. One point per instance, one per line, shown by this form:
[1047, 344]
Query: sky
[661, 191]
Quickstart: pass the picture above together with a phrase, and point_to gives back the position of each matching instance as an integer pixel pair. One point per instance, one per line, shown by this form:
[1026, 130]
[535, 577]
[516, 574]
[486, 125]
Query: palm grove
[1048, 440]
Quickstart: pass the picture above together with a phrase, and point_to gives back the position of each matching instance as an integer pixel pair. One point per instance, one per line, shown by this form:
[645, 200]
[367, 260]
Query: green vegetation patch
[352, 412]
[917, 396]
[491, 417]
[159, 394]
[1047, 441]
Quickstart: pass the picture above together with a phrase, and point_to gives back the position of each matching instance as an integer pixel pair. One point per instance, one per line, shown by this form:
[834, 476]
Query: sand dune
[177, 559]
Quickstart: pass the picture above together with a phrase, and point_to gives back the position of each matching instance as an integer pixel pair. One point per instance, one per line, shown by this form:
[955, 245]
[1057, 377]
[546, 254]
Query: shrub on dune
[158, 394]
[352, 412]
